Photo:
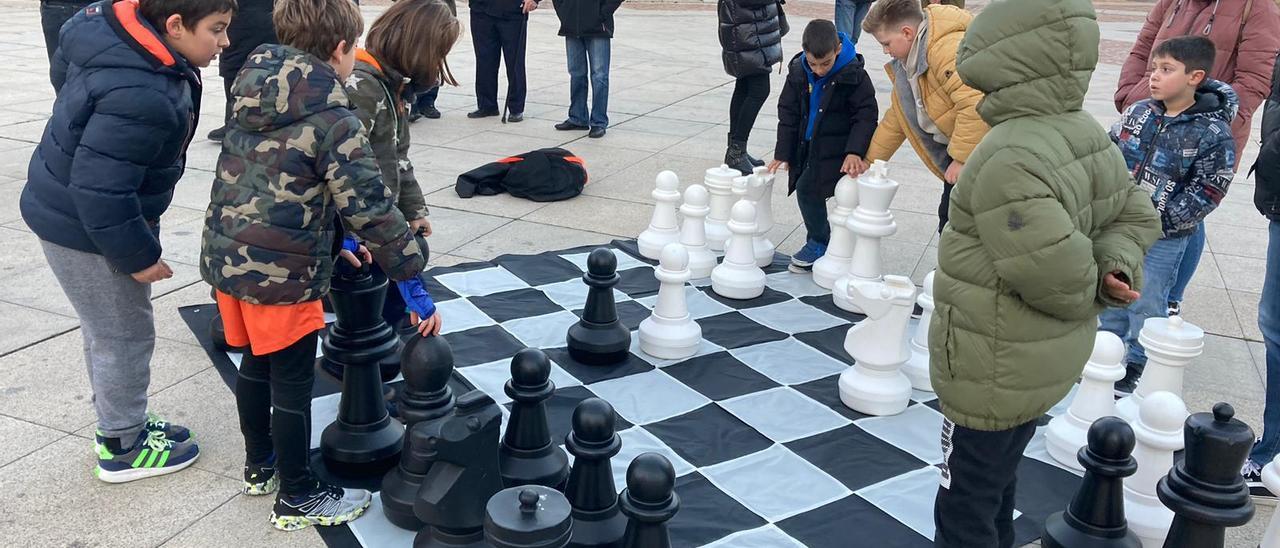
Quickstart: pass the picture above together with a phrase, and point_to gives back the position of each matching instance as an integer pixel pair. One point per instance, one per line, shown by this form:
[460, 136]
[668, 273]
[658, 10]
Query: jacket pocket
[942, 314]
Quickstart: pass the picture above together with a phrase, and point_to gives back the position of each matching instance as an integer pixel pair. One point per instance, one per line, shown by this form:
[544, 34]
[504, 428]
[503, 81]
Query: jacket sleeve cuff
[139, 261]
[1107, 265]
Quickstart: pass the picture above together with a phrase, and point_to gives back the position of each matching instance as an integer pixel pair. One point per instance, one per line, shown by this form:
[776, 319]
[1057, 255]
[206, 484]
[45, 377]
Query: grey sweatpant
[119, 336]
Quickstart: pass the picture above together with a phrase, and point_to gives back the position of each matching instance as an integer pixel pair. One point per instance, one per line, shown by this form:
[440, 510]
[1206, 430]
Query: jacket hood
[111, 34]
[280, 86]
[395, 82]
[1030, 57]
[1215, 99]
[944, 20]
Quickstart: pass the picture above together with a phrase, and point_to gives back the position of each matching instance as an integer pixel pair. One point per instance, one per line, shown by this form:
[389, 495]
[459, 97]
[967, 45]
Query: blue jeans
[1269, 323]
[1159, 271]
[1190, 260]
[849, 16]
[592, 53]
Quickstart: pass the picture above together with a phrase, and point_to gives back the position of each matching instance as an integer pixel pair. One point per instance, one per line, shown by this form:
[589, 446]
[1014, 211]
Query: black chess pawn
[599, 338]
[461, 452]
[427, 363]
[649, 501]
[531, 516]
[1205, 490]
[527, 455]
[597, 523]
[363, 440]
[1095, 518]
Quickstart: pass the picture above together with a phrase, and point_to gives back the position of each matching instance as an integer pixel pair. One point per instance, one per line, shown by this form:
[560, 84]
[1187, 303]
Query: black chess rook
[427, 363]
[1205, 490]
[462, 460]
[531, 516]
[1095, 518]
[599, 338]
[649, 501]
[527, 455]
[597, 521]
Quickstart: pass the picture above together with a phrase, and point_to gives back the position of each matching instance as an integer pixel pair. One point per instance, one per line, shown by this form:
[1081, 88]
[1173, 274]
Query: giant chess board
[766, 455]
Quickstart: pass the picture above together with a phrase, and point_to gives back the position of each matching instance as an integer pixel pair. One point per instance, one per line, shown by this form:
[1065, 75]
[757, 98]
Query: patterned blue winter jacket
[1186, 161]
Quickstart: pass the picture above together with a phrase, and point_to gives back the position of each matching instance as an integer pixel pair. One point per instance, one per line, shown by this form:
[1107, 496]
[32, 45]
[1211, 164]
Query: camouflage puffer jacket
[294, 157]
[379, 96]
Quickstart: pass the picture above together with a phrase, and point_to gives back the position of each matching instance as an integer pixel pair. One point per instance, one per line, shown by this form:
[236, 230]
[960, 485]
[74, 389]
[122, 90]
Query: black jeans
[813, 205]
[749, 95]
[497, 39]
[53, 13]
[426, 99]
[273, 396]
[974, 508]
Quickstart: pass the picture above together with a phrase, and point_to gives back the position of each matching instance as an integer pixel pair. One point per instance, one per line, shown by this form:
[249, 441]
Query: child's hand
[363, 253]
[853, 165]
[953, 172]
[1119, 289]
[429, 327]
[529, 6]
[777, 164]
[420, 224]
[153, 273]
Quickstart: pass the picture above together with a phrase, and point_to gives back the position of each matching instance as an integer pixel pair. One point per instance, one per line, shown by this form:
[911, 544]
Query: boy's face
[1170, 79]
[201, 43]
[343, 60]
[822, 65]
[896, 42]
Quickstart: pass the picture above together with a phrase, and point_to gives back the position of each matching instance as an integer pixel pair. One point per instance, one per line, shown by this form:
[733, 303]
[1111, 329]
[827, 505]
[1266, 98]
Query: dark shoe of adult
[218, 134]
[431, 112]
[570, 126]
[736, 157]
[596, 133]
[482, 113]
[1126, 386]
[515, 118]
[755, 162]
[414, 115]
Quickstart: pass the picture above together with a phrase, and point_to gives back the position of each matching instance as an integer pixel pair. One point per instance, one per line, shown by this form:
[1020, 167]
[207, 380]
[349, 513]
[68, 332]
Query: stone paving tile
[205, 405]
[1241, 273]
[21, 326]
[1211, 309]
[604, 215]
[500, 205]
[242, 521]
[23, 438]
[528, 238]
[1246, 306]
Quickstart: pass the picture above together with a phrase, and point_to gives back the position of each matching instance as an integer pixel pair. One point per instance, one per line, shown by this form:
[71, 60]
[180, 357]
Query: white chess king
[875, 385]
[719, 182]
[1094, 399]
[669, 332]
[869, 223]
[664, 225]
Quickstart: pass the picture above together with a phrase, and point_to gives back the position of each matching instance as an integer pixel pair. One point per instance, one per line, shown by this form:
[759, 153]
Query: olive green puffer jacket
[1044, 208]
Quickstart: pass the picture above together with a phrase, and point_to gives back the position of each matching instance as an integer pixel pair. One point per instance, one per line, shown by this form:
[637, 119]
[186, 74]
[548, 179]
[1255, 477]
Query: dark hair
[1196, 52]
[317, 26]
[413, 37]
[820, 38]
[157, 12]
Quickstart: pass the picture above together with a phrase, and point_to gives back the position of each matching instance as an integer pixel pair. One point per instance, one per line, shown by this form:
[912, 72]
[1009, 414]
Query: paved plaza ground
[668, 109]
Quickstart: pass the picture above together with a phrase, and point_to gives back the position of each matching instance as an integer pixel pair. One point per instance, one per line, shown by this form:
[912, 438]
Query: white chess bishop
[834, 264]
[737, 276]
[693, 234]
[719, 182]
[869, 223]
[875, 385]
[1170, 343]
[1158, 432]
[1094, 399]
[670, 332]
[664, 225]
[917, 367]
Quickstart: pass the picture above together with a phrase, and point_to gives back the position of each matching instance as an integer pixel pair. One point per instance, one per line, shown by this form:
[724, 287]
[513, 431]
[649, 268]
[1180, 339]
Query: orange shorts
[268, 328]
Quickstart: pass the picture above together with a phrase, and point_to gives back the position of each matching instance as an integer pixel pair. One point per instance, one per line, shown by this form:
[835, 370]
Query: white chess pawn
[1094, 399]
[663, 226]
[670, 332]
[760, 191]
[834, 264]
[869, 223]
[693, 231]
[738, 277]
[743, 192]
[1171, 344]
[875, 385]
[917, 367]
[719, 182]
[1158, 433]
[1271, 479]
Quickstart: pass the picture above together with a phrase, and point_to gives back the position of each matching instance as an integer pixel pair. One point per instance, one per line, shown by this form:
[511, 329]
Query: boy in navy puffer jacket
[1179, 148]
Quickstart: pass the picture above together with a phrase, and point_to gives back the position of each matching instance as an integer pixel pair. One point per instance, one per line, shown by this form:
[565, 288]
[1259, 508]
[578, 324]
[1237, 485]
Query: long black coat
[750, 36]
[1266, 194]
[251, 27]
[586, 18]
[846, 121]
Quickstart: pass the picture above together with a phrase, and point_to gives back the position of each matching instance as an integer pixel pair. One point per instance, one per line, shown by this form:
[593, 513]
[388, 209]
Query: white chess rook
[1271, 479]
[835, 263]
[669, 332]
[1094, 399]
[869, 223]
[738, 277]
[719, 182]
[1159, 434]
[917, 367]
[664, 225]
[760, 192]
[1171, 344]
[693, 234]
[875, 385]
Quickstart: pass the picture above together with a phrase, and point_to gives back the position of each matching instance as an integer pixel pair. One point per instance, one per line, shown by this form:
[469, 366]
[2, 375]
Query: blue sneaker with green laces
[171, 431]
[152, 454]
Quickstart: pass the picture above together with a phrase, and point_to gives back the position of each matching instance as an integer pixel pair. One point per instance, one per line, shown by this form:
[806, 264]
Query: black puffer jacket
[250, 28]
[1266, 194]
[586, 18]
[750, 36]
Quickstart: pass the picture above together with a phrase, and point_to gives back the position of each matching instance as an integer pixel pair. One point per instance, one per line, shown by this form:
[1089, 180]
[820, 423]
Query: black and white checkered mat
[766, 454]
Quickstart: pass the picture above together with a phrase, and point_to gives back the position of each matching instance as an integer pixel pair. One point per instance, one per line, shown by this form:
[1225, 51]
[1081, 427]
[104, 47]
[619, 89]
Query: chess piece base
[1065, 437]
[594, 344]
[399, 489]
[431, 537]
[604, 529]
[917, 368]
[828, 268]
[670, 339]
[1057, 534]
[364, 450]
[840, 295]
[740, 284]
[873, 392]
[651, 241]
[763, 249]
[1147, 518]
[717, 234]
[548, 467]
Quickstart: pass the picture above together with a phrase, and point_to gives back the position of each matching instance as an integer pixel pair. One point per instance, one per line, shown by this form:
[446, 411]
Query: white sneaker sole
[135, 474]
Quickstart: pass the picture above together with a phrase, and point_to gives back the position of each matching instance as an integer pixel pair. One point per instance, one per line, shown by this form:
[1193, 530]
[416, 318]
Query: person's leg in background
[424, 106]
[53, 13]
[598, 52]
[1159, 270]
[813, 210]
[1269, 323]
[488, 49]
[844, 19]
[514, 35]
[749, 95]
[1187, 269]
[974, 506]
[859, 14]
[575, 49]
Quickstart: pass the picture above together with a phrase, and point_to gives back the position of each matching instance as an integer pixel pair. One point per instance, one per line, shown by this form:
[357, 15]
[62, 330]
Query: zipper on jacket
[1151, 148]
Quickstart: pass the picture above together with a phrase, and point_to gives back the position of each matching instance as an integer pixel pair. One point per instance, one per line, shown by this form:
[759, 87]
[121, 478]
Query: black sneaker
[218, 134]
[1175, 308]
[1252, 473]
[326, 505]
[482, 113]
[1129, 383]
[260, 479]
[431, 112]
[570, 126]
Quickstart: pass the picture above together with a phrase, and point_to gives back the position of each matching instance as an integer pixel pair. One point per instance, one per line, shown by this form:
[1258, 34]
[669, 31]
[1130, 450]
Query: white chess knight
[834, 264]
[1170, 343]
[1158, 433]
[760, 192]
[719, 182]
[1271, 479]
[917, 367]
[1094, 399]
[693, 234]
[875, 385]
[869, 222]
[664, 225]
[670, 332]
[738, 277]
